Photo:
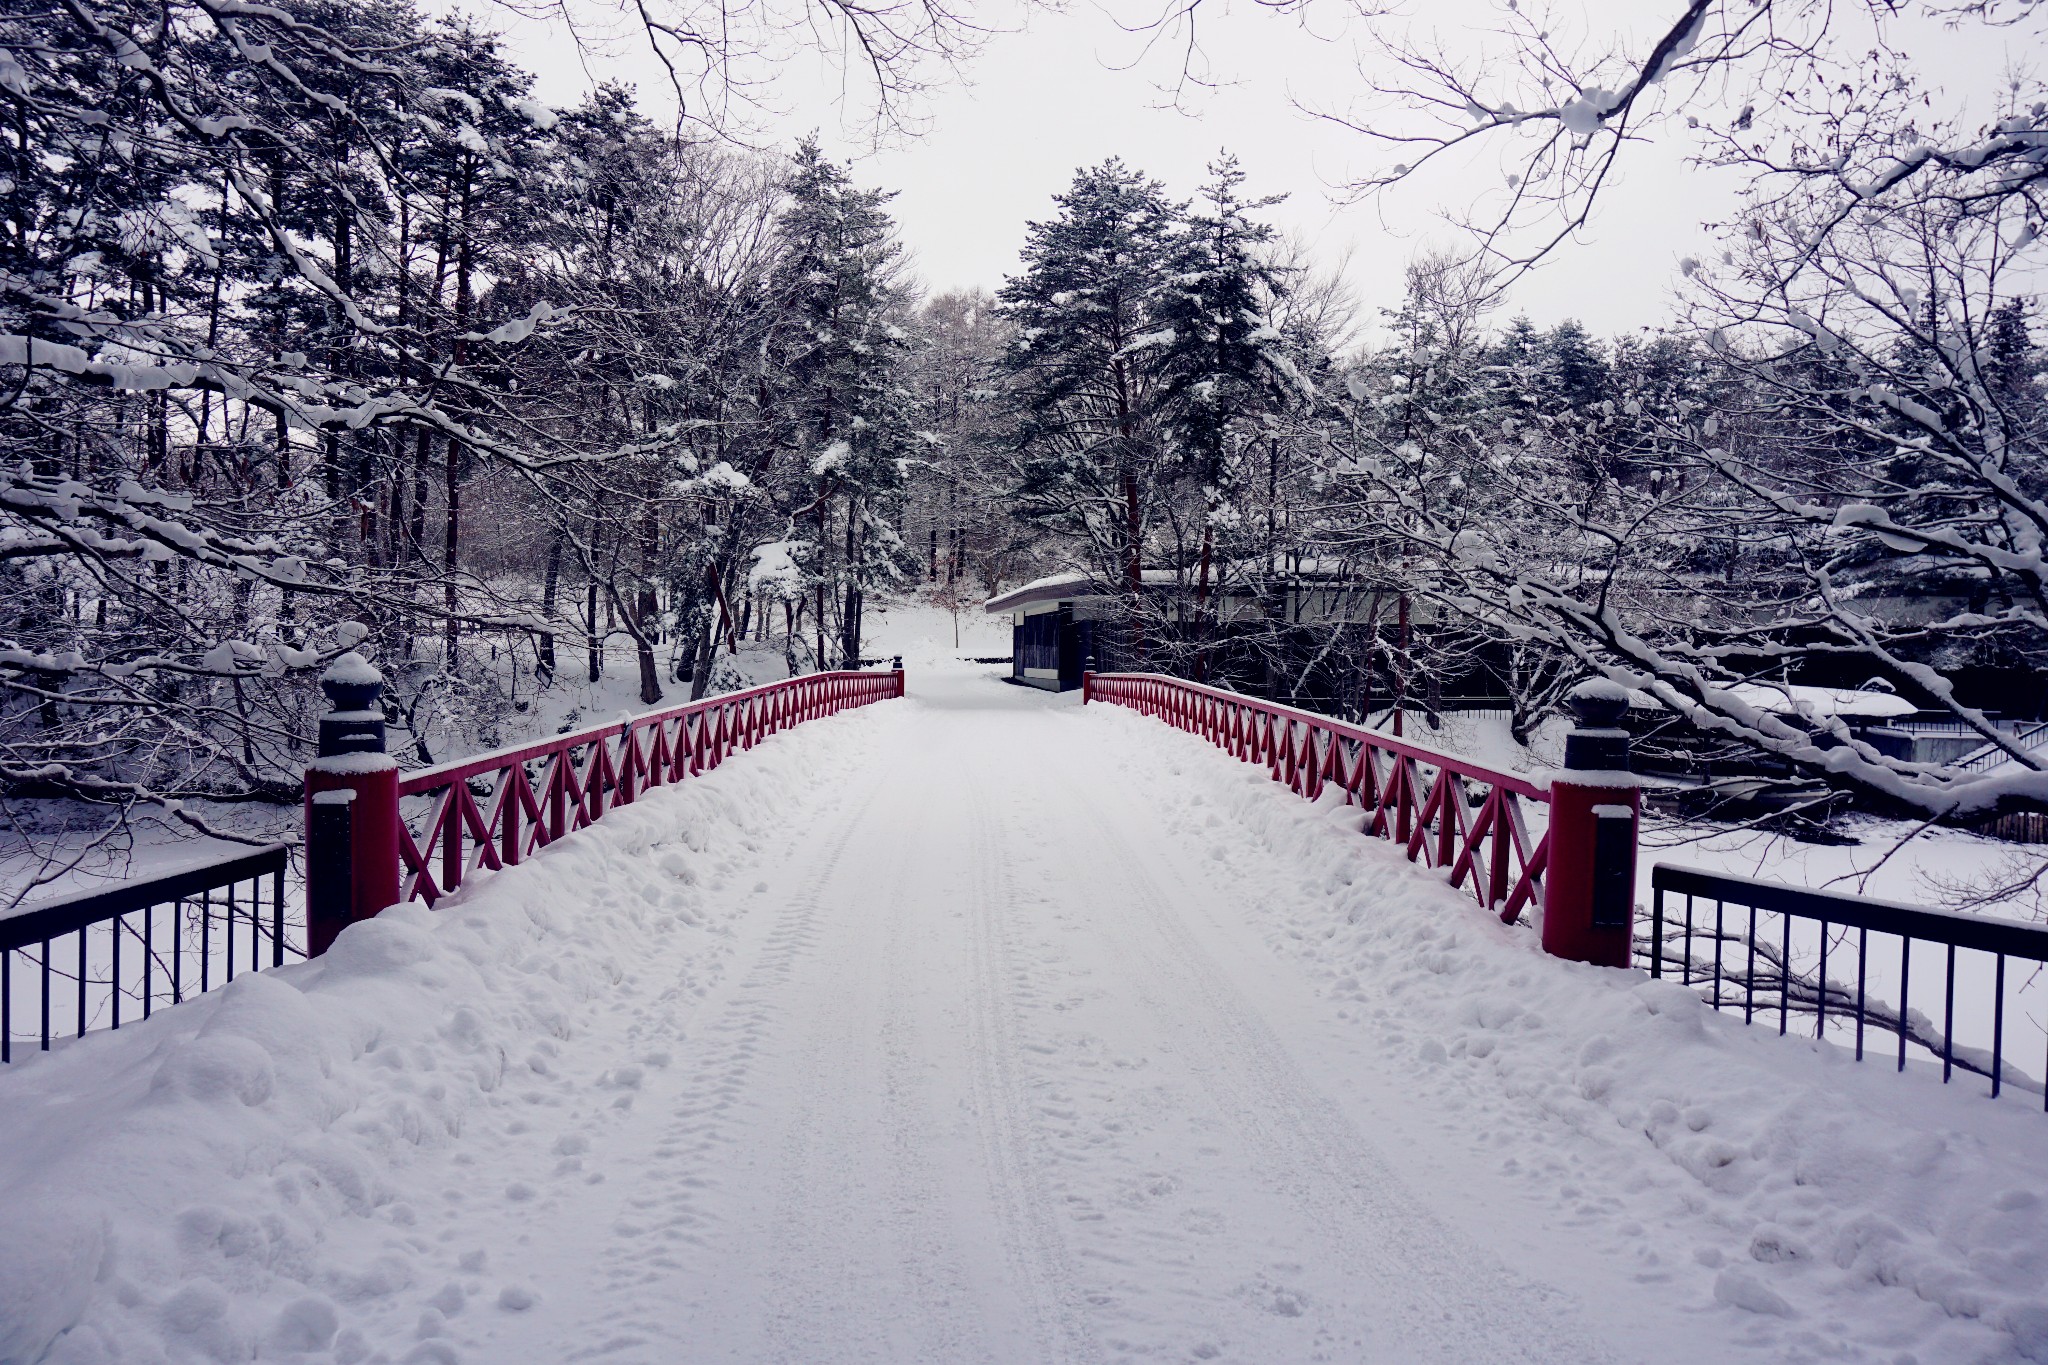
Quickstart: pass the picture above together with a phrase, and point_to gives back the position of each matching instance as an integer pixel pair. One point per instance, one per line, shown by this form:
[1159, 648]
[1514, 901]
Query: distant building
[1053, 629]
[1060, 622]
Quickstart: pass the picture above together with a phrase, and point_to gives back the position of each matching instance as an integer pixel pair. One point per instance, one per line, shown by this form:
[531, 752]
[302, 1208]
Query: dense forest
[318, 332]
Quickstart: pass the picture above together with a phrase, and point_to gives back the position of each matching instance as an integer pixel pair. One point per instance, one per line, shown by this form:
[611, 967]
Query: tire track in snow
[982, 1089]
[889, 1238]
[1013, 1155]
[802, 1202]
[1448, 1299]
[858, 1057]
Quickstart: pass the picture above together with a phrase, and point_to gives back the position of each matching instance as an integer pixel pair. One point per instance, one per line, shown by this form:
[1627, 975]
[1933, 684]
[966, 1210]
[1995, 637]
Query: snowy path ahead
[979, 1027]
[997, 1082]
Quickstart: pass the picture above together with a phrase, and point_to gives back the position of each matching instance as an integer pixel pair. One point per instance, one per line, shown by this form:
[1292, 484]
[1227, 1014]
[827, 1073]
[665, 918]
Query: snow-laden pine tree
[958, 516]
[839, 355]
[317, 332]
[1420, 414]
[1226, 381]
[659, 254]
[1085, 370]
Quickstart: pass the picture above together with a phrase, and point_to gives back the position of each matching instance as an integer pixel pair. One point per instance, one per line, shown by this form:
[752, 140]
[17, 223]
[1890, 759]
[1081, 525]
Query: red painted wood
[1568, 929]
[377, 840]
[586, 773]
[1417, 799]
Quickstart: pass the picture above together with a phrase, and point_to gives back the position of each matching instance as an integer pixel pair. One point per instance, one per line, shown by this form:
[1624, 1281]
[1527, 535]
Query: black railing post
[277, 918]
[49, 927]
[1657, 931]
[330, 874]
[1824, 911]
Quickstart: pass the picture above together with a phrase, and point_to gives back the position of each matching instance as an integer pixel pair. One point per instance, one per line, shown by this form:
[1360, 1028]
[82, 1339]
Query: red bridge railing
[493, 810]
[1446, 811]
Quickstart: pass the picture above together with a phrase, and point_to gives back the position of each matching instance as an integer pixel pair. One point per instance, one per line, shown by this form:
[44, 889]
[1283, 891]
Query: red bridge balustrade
[496, 809]
[539, 792]
[1446, 811]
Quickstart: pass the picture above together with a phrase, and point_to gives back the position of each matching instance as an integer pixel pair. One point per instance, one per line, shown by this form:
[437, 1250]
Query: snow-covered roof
[1310, 566]
[1063, 587]
[1052, 588]
[1802, 699]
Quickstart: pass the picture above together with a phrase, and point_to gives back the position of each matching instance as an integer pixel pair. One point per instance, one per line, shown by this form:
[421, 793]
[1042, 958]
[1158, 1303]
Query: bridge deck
[981, 1028]
[996, 1071]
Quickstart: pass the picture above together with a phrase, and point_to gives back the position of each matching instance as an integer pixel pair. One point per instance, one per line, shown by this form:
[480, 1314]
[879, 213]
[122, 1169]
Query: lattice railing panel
[1444, 811]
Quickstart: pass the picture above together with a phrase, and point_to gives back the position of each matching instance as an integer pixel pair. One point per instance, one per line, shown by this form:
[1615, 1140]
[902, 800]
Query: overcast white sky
[1071, 89]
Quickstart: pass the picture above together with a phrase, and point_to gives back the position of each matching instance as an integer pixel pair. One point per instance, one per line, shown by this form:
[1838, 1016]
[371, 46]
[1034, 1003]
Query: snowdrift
[309, 1161]
[198, 1187]
[1816, 1193]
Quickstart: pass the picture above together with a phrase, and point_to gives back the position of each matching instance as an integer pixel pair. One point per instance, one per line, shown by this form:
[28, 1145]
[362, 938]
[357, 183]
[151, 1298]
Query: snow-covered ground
[982, 1027]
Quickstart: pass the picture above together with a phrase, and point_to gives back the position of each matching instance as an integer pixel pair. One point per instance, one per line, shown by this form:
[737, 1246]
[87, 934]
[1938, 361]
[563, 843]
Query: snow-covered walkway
[977, 1027]
[995, 1079]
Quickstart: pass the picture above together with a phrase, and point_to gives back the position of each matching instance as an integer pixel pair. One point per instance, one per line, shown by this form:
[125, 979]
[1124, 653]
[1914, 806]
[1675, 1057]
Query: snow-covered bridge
[982, 1027]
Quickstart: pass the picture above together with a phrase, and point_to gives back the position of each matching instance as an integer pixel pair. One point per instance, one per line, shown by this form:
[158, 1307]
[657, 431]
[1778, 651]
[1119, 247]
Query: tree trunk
[330, 466]
[849, 626]
[370, 498]
[700, 669]
[423, 460]
[551, 585]
[451, 547]
[465, 302]
[643, 650]
[1401, 663]
[821, 583]
[647, 610]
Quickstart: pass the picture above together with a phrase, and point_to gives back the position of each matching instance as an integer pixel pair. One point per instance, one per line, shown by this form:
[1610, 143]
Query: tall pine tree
[1086, 369]
[1225, 369]
[840, 355]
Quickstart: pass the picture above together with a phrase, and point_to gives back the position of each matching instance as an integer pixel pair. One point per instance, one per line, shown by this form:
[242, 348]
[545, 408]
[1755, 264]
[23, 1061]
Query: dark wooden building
[1053, 625]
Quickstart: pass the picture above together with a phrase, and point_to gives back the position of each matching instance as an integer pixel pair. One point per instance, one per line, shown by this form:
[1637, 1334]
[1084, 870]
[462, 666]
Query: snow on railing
[1420, 798]
[537, 793]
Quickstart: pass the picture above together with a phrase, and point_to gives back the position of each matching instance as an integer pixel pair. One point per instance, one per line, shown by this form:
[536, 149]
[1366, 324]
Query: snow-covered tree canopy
[318, 332]
[310, 314]
[1826, 100]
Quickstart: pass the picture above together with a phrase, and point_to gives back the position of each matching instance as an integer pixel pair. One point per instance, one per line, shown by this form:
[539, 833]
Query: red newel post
[897, 664]
[1087, 680]
[351, 839]
[1589, 886]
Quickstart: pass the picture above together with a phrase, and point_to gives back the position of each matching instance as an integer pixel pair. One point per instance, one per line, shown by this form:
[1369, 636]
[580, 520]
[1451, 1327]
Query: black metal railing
[180, 932]
[2029, 737]
[1778, 949]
